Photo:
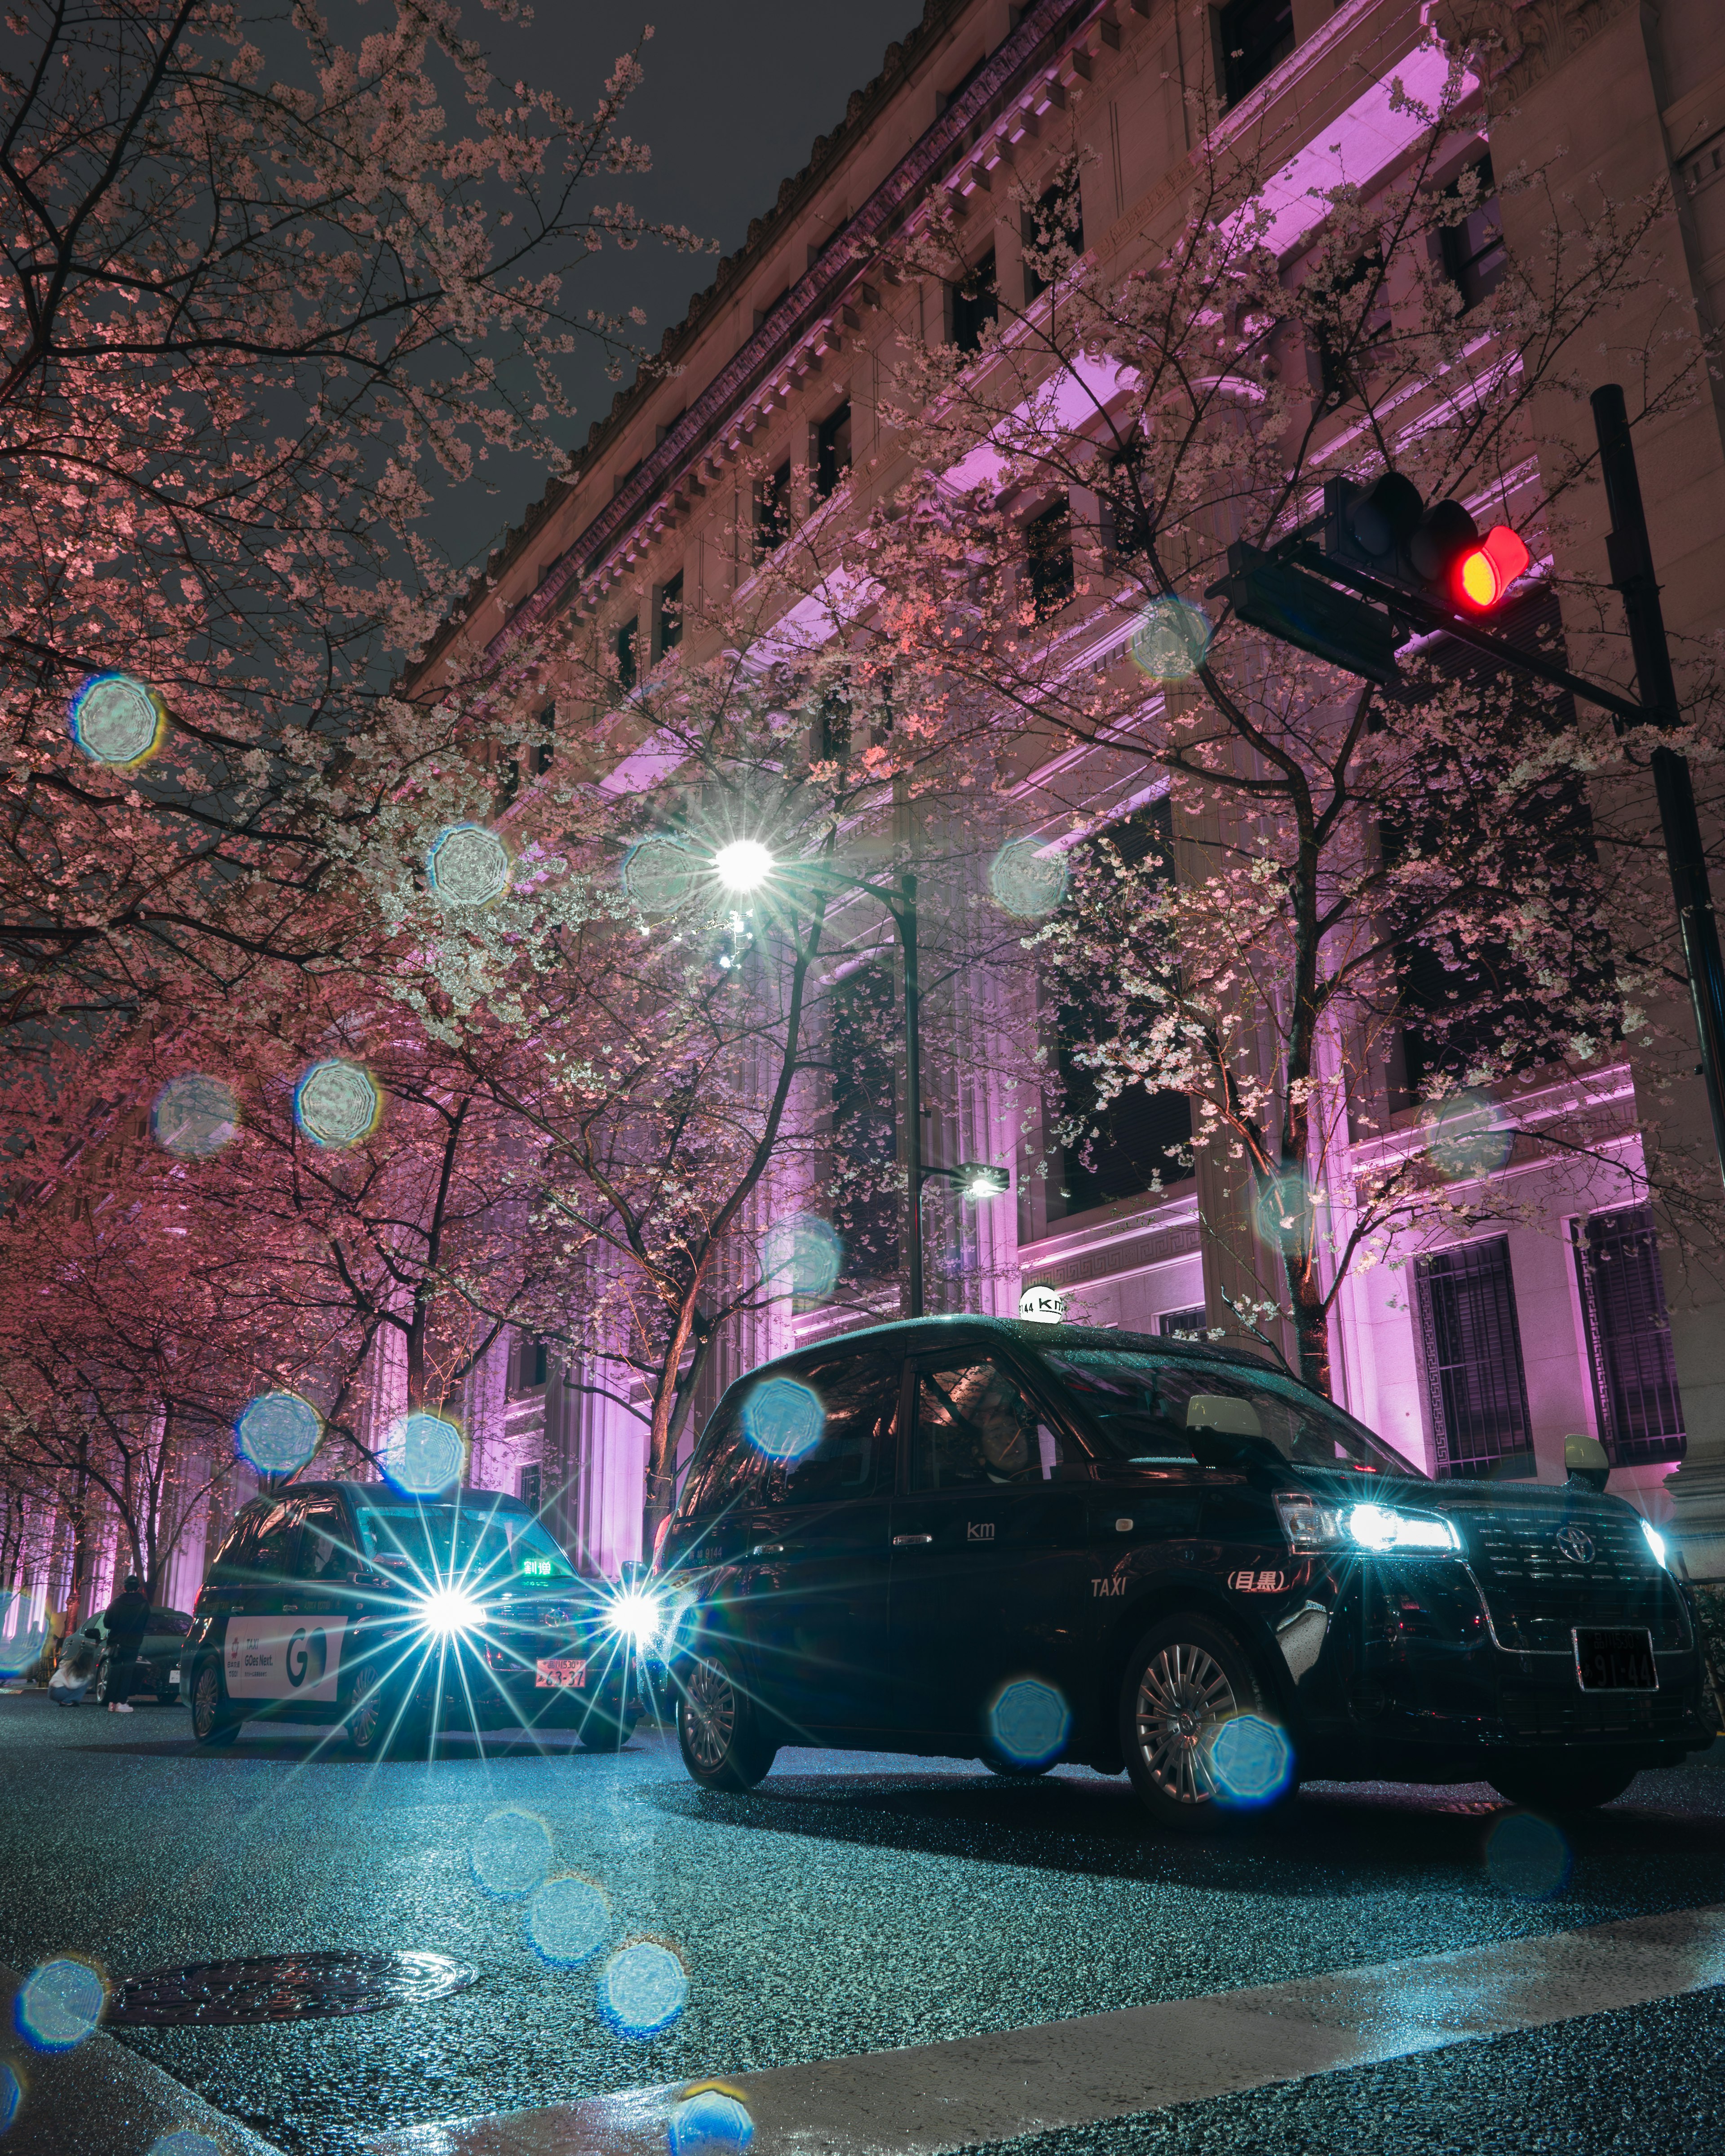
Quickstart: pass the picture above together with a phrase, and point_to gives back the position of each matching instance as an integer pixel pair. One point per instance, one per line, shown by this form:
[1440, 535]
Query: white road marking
[1106, 2065]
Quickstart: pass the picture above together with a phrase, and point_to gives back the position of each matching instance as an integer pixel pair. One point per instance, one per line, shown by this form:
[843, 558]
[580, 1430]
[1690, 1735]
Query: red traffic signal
[1486, 572]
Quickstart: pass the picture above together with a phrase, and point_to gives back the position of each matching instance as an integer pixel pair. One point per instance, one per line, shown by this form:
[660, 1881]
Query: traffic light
[1388, 532]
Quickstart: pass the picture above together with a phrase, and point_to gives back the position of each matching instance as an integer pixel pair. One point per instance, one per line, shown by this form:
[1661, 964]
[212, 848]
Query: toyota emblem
[1577, 1546]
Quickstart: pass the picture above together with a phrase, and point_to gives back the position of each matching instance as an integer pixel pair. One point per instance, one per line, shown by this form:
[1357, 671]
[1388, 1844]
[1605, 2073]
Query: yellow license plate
[563, 1677]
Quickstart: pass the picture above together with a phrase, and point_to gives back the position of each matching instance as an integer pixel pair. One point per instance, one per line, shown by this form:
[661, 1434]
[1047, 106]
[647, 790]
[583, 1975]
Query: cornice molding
[1030, 55]
[1547, 34]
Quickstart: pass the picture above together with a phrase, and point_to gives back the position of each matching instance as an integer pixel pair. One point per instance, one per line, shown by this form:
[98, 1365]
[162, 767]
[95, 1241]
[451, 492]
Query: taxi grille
[1536, 1593]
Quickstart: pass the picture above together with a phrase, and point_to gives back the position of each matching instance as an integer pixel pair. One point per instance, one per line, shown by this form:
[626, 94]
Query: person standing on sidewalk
[127, 1618]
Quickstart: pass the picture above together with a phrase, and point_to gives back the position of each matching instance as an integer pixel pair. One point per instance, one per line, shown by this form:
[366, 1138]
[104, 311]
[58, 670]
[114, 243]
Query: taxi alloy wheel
[375, 1723]
[211, 1718]
[717, 1729]
[1185, 1680]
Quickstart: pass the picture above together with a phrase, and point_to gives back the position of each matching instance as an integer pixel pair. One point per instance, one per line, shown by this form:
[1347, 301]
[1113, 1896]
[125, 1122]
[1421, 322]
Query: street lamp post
[745, 866]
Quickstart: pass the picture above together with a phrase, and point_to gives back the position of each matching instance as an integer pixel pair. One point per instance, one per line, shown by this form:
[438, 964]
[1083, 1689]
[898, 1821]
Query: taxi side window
[275, 1535]
[235, 1555]
[977, 1428]
[723, 1467]
[323, 1541]
[852, 1443]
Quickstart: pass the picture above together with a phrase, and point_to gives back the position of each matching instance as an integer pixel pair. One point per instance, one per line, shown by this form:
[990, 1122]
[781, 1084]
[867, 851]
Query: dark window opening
[773, 512]
[864, 1035]
[1476, 1383]
[1629, 1337]
[832, 450]
[1048, 558]
[1362, 319]
[509, 777]
[1139, 1135]
[1253, 38]
[531, 1492]
[1181, 1321]
[529, 1366]
[623, 646]
[1055, 223]
[976, 303]
[1473, 250]
[670, 613]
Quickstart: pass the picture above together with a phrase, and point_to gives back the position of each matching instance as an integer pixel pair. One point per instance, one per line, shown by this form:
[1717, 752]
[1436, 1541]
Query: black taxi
[974, 1537]
[398, 1617]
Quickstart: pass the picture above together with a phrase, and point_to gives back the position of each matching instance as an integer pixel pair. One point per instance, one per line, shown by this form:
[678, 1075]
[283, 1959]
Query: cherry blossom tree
[1456, 865]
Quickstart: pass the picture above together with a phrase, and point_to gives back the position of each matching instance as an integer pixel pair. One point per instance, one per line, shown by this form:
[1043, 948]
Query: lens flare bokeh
[643, 1988]
[1172, 638]
[195, 1117]
[277, 1433]
[337, 1104]
[21, 1647]
[1466, 1137]
[422, 1454]
[803, 1253]
[468, 864]
[660, 875]
[59, 2004]
[510, 1853]
[1030, 1722]
[567, 1919]
[118, 721]
[1284, 1211]
[783, 1418]
[12, 2094]
[709, 2121]
[1028, 880]
[1252, 1762]
[1528, 1858]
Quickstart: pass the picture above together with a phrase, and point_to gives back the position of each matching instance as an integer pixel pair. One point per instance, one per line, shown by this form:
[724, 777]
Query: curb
[103, 2100]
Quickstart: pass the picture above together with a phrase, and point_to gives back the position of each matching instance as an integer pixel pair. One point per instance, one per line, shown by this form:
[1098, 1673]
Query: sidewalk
[103, 2100]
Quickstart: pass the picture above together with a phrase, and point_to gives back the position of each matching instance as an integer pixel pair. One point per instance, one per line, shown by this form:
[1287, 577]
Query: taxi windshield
[474, 1543]
[1156, 1412]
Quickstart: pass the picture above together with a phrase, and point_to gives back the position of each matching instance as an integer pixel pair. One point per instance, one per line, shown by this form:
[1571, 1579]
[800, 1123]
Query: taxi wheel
[377, 1727]
[1184, 1680]
[718, 1729]
[212, 1720]
[1545, 1785]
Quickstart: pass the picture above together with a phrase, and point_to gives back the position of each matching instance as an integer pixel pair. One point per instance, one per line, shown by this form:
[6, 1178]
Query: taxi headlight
[636, 1615]
[1655, 1543]
[1311, 1526]
[450, 1611]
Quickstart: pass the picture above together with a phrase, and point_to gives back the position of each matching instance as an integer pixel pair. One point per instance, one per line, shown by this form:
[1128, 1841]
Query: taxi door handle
[903, 1541]
[767, 1549]
[289, 1608]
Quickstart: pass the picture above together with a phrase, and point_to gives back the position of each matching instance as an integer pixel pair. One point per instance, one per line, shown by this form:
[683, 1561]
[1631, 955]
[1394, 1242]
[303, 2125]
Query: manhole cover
[283, 1988]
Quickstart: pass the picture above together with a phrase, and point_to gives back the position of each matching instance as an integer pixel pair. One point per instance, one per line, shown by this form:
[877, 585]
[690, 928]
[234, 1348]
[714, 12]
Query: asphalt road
[853, 1903]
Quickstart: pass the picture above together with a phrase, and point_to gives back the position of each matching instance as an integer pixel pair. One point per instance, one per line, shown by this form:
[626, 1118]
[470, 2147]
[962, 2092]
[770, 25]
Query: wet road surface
[853, 1903]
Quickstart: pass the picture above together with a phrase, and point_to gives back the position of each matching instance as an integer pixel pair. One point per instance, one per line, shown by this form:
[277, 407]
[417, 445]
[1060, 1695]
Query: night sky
[734, 97]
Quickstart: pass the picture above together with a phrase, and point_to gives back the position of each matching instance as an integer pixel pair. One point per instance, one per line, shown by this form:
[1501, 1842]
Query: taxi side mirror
[1584, 1457]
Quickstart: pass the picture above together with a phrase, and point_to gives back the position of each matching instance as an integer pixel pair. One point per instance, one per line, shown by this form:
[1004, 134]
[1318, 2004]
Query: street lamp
[744, 865]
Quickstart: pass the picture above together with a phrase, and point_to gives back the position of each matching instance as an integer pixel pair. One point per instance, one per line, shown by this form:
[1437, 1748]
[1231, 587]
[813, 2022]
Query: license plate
[562, 1676]
[1615, 1661]
[173, 1677]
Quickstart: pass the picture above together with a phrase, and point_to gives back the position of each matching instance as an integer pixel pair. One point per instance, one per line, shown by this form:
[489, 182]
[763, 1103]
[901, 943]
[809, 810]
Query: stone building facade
[1497, 1347]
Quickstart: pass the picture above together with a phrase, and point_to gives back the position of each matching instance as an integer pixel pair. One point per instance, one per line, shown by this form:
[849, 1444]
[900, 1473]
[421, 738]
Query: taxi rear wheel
[718, 1728]
[213, 1721]
[1546, 1785]
[377, 1728]
[1186, 1680]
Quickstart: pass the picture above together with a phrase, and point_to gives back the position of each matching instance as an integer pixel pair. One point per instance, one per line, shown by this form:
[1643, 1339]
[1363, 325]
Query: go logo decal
[307, 1658]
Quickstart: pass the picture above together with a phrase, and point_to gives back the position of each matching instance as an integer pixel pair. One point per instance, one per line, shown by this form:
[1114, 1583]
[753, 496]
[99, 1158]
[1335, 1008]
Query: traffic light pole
[1631, 559]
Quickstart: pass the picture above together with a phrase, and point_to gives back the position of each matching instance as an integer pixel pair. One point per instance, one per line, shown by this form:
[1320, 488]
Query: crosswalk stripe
[1142, 2058]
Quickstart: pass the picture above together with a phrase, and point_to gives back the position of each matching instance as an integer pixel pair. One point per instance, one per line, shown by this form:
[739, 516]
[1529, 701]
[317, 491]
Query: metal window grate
[1474, 1377]
[1629, 1337]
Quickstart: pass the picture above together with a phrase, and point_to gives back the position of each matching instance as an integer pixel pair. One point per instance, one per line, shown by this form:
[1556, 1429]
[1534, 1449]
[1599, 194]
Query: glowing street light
[744, 864]
[978, 1179]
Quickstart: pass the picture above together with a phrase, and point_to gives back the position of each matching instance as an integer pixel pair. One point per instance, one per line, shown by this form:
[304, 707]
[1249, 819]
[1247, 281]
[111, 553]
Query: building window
[832, 449]
[532, 1487]
[1473, 250]
[1181, 1321]
[670, 613]
[1629, 1337]
[1360, 318]
[1120, 1147]
[1048, 558]
[1475, 1383]
[528, 1367]
[1253, 38]
[623, 648]
[1057, 222]
[773, 512]
[975, 303]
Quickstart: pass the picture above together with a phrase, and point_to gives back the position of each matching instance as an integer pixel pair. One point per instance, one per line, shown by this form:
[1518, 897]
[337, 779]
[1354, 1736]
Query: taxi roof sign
[1039, 1304]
